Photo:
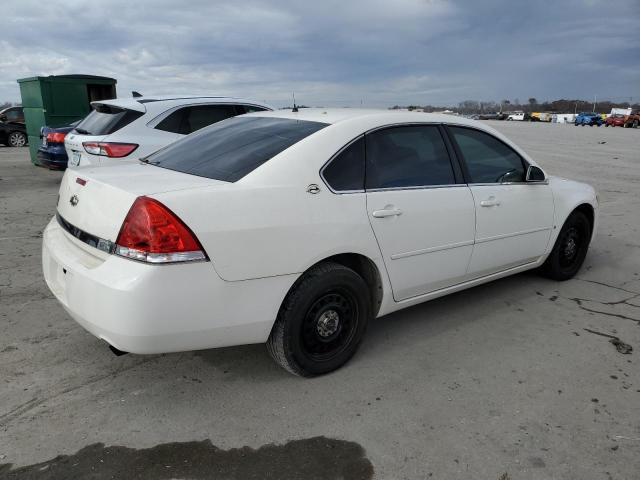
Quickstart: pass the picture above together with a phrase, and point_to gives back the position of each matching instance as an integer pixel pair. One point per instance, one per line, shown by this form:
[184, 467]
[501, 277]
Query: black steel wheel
[321, 321]
[570, 248]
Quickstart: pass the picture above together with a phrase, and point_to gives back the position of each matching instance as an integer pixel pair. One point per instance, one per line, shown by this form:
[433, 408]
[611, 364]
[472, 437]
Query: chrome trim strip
[432, 249]
[516, 234]
[545, 182]
[419, 187]
[114, 249]
[85, 237]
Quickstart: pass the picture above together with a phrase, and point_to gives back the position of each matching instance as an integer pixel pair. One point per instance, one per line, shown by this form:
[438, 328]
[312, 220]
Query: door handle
[388, 211]
[490, 202]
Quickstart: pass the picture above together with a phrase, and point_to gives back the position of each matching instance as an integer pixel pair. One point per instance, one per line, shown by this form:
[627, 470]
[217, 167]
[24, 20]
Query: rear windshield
[231, 149]
[106, 119]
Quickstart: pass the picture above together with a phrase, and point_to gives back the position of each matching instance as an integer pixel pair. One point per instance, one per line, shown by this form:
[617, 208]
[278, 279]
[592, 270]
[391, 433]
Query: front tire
[321, 321]
[17, 139]
[570, 248]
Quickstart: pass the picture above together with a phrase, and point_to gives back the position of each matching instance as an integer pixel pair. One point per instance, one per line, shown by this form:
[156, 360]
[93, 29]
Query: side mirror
[3, 118]
[512, 176]
[535, 174]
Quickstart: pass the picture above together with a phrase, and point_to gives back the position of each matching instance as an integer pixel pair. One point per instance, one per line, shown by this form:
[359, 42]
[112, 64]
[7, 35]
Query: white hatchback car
[297, 228]
[131, 128]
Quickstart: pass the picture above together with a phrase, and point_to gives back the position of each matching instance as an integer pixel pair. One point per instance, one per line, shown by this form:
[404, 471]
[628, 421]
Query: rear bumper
[47, 159]
[143, 308]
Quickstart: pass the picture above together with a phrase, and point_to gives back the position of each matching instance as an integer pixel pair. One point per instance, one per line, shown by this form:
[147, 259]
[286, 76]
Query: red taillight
[55, 137]
[109, 149]
[153, 233]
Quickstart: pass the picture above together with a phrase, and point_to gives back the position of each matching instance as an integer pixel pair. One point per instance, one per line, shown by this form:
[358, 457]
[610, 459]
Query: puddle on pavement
[317, 458]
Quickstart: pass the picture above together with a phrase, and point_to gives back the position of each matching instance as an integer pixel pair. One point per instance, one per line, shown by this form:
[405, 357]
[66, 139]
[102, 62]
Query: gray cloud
[332, 52]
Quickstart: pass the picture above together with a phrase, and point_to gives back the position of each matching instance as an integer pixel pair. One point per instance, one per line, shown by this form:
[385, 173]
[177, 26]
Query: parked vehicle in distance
[632, 120]
[297, 228]
[541, 117]
[127, 129]
[492, 116]
[52, 154]
[13, 131]
[517, 116]
[614, 121]
[588, 118]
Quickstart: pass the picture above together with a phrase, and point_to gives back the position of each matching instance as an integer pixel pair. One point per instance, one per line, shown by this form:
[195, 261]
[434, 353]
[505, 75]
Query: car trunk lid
[97, 200]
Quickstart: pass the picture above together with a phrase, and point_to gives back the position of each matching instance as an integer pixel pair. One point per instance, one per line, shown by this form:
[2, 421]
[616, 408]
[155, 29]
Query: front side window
[488, 160]
[408, 156]
[232, 148]
[14, 115]
[346, 170]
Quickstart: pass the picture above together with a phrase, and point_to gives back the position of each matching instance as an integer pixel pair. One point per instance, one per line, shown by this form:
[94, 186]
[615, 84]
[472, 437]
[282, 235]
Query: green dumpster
[58, 100]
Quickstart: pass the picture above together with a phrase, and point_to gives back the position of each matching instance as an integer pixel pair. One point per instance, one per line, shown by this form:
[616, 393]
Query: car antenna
[295, 108]
[135, 94]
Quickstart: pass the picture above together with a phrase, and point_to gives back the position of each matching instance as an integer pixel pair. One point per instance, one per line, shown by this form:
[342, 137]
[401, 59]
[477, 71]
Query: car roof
[166, 101]
[371, 115]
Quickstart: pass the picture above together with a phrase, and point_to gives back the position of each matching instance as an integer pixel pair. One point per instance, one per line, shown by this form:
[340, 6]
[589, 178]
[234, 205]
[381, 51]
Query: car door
[421, 212]
[514, 218]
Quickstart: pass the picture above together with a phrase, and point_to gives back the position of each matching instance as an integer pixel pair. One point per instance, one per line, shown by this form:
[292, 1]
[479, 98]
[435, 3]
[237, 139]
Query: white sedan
[125, 129]
[297, 228]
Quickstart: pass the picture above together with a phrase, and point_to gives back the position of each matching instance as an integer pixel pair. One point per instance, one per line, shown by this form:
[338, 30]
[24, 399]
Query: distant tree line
[467, 107]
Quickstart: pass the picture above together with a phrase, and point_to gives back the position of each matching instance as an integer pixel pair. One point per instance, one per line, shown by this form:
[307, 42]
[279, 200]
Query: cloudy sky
[332, 53]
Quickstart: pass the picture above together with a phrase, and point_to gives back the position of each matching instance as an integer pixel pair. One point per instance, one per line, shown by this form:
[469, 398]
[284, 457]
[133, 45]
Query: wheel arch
[363, 266]
[588, 210]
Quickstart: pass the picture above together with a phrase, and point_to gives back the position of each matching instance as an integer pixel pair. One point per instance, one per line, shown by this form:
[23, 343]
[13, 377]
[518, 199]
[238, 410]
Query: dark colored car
[51, 153]
[492, 116]
[616, 120]
[13, 131]
[589, 118]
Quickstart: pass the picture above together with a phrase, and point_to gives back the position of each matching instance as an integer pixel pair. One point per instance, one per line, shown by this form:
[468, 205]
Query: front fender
[567, 196]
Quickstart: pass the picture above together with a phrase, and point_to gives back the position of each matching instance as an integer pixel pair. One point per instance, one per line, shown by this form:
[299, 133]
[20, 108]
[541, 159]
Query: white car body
[518, 116]
[144, 130]
[263, 231]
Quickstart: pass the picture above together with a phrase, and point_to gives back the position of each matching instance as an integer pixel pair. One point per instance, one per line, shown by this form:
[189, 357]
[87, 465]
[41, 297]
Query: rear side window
[205, 115]
[190, 119]
[231, 149]
[488, 160]
[252, 108]
[106, 119]
[410, 156]
[346, 171]
[172, 123]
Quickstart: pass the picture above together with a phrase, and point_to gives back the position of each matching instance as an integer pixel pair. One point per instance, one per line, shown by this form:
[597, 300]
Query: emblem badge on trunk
[74, 200]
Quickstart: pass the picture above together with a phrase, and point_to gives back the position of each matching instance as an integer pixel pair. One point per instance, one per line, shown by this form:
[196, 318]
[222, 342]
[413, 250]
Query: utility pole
[594, 103]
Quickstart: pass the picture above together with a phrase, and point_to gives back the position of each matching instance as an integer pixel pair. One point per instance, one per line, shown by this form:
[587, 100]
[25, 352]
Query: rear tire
[17, 139]
[321, 321]
[635, 124]
[570, 248]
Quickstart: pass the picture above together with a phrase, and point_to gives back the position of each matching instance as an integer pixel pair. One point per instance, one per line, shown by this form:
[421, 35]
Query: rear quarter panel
[255, 232]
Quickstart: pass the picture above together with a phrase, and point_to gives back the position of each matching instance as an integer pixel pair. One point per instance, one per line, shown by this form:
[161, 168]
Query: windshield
[231, 149]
